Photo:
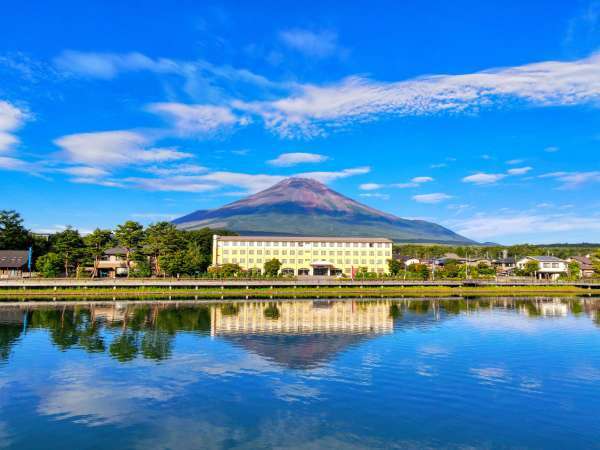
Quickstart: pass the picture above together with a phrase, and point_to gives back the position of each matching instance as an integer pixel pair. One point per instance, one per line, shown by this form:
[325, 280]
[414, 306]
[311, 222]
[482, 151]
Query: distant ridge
[306, 207]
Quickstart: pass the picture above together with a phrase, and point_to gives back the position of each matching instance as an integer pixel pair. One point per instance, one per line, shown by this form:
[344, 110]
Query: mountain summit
[306, 207]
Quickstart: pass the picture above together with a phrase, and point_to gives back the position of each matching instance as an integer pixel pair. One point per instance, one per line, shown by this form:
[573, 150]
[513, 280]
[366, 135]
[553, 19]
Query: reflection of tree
[229, 309]
[419, 306]
[272, 311]
[9, 334]
[90, 338]
[395, 311]
[156, 345]
[125, 347]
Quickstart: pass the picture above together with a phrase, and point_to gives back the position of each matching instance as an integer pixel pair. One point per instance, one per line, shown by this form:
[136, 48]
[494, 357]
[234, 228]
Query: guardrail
[114, 283]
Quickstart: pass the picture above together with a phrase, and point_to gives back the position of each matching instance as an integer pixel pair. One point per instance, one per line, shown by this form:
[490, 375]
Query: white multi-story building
[324, 256]
[550, 267]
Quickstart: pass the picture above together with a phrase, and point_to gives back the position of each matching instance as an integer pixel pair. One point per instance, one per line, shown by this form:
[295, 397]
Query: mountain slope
[305, 207]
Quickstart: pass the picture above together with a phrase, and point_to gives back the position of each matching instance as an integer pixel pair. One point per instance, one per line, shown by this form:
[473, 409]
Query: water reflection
[297, 334]
[489, 373]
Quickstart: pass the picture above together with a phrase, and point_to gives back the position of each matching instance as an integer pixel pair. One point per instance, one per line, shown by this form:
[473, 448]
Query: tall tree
[69, 245]
[162, 239]
[13, 235]
[96, 243]
[130, 235]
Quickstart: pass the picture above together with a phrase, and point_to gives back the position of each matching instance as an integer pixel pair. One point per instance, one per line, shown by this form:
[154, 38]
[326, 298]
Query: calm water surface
[500, 373]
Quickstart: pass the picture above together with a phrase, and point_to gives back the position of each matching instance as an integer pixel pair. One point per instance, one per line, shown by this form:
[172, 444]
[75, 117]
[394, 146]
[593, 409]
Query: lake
[363, 373]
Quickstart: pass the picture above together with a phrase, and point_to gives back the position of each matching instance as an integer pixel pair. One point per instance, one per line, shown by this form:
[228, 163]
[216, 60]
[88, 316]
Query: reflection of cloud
[5, 437]
[530, 384]
[490, 375]
[434, 350]
[586, 373]
[295, 392]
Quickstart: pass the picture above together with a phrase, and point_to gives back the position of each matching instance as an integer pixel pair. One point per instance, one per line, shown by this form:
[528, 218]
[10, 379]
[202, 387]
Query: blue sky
[481, 116]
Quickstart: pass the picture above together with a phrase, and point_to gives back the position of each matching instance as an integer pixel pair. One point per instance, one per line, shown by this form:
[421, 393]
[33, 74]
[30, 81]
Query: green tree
[96, 244]
[226, 270]
[272, 267]
[394, 266]
[574, 270]
[49, 265]
[130, 236]
[162, 239]
[531, 268]
[69, 245]
[13, 235]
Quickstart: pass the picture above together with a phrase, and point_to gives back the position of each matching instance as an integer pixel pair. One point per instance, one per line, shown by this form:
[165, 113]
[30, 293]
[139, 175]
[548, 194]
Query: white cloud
[85, 171]
[177, 169]
[436, 197]
[311, 109]
[8, 163]
[371, 186]
[213, 181]
[519, 170]
[438, 166]
[114, 148]
[197, 119]
[317, 44]
[551, 149]
[420, 180]
[11, 119]
[512, 162]
[571, 180]
[292, 159]
[327, 177]
[483, 178]
[487, 226]
[376, 195]
[405, 185]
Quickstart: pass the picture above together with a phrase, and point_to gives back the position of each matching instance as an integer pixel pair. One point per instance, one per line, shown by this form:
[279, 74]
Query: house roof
[302, 239]
[116, 251]
[584, 262]
[546, 258]
[13, 259]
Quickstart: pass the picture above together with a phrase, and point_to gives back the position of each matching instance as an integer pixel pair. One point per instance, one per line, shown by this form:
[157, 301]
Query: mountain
[306, 207]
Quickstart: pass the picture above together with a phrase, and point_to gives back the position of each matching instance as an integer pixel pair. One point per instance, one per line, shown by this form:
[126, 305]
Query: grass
[389, 291]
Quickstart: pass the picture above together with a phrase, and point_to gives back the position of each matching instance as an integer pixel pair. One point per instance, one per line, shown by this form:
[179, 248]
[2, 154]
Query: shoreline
[110, 293]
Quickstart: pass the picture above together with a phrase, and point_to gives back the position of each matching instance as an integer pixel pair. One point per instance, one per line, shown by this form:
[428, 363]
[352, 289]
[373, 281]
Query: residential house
[550, 267]
[586, 268]
[113, 263]
[13, 263]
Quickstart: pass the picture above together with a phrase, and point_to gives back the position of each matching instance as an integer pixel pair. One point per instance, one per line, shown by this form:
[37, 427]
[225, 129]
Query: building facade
[549, 267]
[314, 256]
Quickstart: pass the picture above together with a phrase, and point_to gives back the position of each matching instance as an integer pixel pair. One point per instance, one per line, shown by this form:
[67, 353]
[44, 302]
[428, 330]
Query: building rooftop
[303, 239]
[546, 258]
[13, 259]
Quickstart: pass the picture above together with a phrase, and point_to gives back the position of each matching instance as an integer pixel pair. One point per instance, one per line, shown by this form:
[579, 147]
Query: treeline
[159, 249]
[495, 251]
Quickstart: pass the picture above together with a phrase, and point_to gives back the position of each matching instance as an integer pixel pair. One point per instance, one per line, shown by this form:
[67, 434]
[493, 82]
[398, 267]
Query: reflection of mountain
[298, 351]
[301, 334]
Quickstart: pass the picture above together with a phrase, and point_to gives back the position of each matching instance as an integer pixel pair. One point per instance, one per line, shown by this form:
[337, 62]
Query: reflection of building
[304, 317]
[304, 255]
[300, 334]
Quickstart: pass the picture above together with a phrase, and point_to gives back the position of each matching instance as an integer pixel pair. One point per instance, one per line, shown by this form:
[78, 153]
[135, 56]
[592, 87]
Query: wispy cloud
[378, 195]
[371, 186]
[114, 148]
[316, 44]
[436, 197]
[292, 159]
[551, 149]
[572, 180]
[313, 109]
[491, 226]
[484, 178]
[197, 119]
[11, 119]
[519, 170]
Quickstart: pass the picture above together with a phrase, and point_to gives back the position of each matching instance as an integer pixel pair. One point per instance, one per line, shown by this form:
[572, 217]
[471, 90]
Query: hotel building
[325, 256]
